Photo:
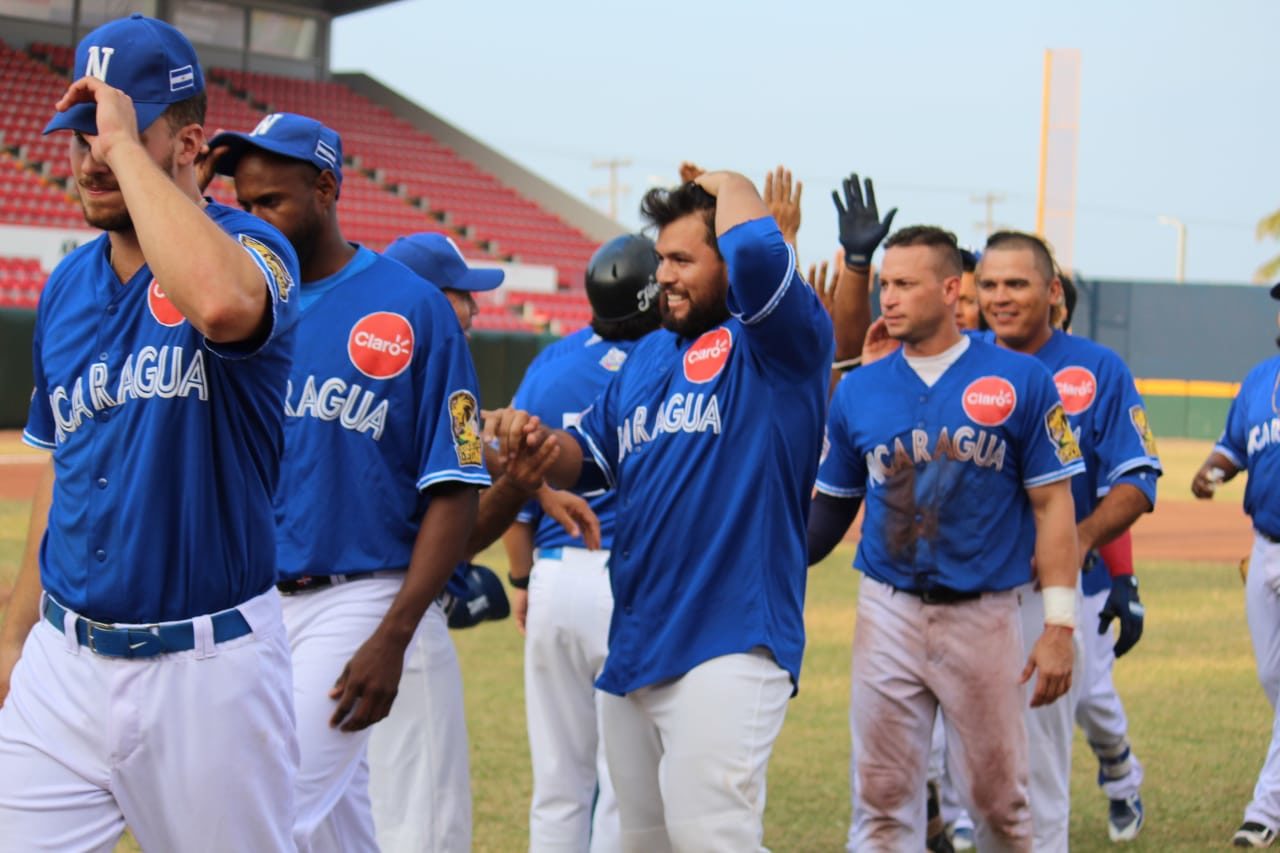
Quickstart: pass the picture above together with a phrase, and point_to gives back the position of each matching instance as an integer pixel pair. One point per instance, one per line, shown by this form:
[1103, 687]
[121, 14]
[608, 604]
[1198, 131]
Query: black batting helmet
[620, 278]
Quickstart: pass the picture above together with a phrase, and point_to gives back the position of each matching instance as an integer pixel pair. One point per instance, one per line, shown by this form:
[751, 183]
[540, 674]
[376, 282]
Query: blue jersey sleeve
[1123, 441]
[596, 432]
[276, 260]
[448, 437]
[1048, 450]
[843, 471]
[40, 431]
[786, 325]
[1234, 441]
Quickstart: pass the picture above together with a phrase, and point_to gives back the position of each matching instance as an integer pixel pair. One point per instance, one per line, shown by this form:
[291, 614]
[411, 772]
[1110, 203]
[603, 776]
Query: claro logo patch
[381, 344]
[989, 400]
[1077, 386]
[708, 356]
[165, 312]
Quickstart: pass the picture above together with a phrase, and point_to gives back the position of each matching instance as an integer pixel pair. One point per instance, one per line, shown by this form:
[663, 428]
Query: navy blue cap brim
[83, 118]
[479, 278]
[1275, 290]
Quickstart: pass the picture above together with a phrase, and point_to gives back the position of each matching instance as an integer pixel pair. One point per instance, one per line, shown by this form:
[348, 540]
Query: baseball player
[382, 406]
[1251, 442]
[1017, 287]
[708, 565]
[962, 453]
[566, 595]
[153, 683]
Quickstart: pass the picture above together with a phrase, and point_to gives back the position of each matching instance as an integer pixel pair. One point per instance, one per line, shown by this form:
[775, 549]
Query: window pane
[276, 34]
[206, 22]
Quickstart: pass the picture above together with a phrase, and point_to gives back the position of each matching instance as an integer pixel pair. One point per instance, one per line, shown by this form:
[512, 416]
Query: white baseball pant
[1050, 729]
[908, 658]
[1262, 606]
[1099, 712]
[567, 638]
[195, 751]
[949, 803]
[326, 627]
[419, 768]
[688, 757]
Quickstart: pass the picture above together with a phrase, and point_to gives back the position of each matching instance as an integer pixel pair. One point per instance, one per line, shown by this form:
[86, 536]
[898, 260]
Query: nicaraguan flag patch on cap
[182, 78]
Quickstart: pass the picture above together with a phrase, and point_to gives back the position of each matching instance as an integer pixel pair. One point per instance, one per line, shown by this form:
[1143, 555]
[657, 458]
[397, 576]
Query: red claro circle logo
[707, 357]
[381, 344]
[165, 312]
[1077, 386]
[989, 400]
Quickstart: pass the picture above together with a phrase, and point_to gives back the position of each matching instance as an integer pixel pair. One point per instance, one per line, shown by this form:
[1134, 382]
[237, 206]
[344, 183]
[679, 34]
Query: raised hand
[823, 278]
[206, 162]
[861, 230]
[783, 204]
[690, 172]
[115, 116]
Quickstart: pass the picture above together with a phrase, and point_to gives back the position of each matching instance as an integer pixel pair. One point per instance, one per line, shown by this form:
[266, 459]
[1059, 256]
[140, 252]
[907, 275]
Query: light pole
[1181, 227]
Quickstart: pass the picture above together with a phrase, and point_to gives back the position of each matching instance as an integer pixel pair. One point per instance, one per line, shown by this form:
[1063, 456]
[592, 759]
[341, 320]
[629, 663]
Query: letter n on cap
[97, 61]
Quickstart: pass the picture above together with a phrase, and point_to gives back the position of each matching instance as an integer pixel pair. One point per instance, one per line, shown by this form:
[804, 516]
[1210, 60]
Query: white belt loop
[204, 644]
[69, 632]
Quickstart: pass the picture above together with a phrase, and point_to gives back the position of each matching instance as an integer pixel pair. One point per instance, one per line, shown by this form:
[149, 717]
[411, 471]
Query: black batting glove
[861, 230]
[1123, 606]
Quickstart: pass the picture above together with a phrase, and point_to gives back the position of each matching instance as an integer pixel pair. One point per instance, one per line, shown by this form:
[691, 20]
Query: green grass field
[1199, 721]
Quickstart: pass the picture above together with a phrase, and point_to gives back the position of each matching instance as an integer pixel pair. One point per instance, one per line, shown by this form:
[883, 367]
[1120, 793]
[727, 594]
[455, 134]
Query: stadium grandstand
[406, 169]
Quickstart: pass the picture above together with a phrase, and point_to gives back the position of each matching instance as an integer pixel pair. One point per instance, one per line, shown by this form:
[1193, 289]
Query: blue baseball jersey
[712, 445]
[944, 470]
[560, 383]
[1251, 441]
[166, 447]
[381, 405]
[1110, 424]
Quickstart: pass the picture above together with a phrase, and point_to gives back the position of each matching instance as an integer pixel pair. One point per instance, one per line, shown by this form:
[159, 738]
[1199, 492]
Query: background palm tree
[1269, 227]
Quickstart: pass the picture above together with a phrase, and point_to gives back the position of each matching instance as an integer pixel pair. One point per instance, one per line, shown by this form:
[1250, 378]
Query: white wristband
[1059, 606]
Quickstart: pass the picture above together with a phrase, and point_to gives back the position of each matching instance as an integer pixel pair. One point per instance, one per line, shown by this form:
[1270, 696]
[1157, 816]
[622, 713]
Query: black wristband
[518, 583]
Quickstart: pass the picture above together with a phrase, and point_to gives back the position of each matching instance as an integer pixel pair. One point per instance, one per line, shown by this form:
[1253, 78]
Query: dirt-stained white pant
[195, 750]
[1262, 605]
[908, 658]
[1099, 711]
[688, 756]
[419, 769]
[573, 809]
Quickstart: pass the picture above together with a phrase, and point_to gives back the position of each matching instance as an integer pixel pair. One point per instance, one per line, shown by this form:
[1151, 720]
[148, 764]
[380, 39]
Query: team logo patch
[989, 400]
[1059, 429]
[1138, 416]
[613, 360]
[381, 344]
[1077, 386]
[165, 312]
[708, 355]
[464, 419]
[279, 272]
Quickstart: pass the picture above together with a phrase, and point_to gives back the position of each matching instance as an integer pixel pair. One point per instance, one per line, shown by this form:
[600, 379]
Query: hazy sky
[937, 101]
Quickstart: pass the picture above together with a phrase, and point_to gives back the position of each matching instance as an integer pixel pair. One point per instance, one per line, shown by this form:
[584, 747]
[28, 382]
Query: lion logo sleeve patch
[464, 419]
[270, 263]
[1138, 417]
[1058, 427]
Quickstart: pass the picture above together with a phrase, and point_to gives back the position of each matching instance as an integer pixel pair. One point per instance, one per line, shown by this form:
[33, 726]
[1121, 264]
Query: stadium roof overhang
[337, 8]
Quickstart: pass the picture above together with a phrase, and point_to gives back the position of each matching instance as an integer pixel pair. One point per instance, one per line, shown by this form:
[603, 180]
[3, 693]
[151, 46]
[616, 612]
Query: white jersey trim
[838, 491]
[475, 478]
[1131, 464]
[777, 294]
[1054, 476]
[1220, 448]
[38, 443]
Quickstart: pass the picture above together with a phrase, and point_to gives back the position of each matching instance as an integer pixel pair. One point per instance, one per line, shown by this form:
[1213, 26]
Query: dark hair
[630, 329]
[663, 206]
[1069, 297]
[941, 240]
[1045, 264]
[968, 260]
[190, 111]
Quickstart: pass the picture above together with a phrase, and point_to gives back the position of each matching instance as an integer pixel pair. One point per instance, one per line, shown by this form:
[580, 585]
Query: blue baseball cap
[437, 259]
[287, 134]
[148, 60]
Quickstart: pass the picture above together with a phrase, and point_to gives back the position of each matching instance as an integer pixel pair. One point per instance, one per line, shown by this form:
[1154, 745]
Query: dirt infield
[18, 476]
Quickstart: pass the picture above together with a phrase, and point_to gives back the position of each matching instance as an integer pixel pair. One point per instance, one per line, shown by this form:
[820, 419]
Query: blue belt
[113, 641]
[549, 553]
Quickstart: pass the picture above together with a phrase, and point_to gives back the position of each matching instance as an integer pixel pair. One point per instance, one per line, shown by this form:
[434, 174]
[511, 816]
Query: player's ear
[188, 142]
[327, 187]
[951, 289]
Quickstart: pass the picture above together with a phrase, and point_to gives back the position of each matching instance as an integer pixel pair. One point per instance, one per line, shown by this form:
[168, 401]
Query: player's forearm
[736, 199]
[440, 546]
[518, 542]
[1113, 515]
[1057, 550]
[23, 610]
[203, 271]
[851, 313]
[829, 520]
[498, 507]
[567, 468]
